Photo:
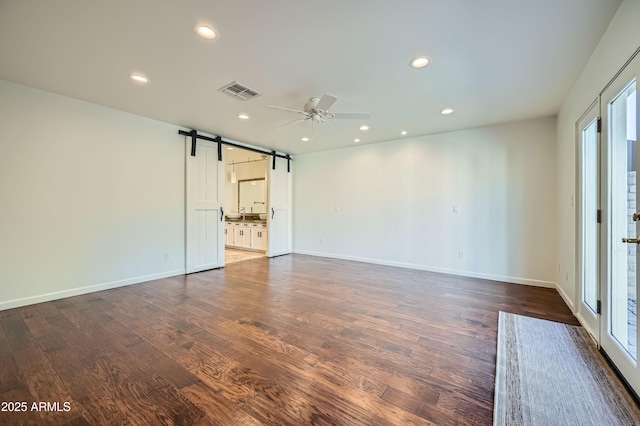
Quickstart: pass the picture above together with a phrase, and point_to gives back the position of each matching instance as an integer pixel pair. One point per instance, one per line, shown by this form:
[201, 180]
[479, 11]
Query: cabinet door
[260, 239]
[246, 236]
[229, 234]
[237, 235]
[255, 236]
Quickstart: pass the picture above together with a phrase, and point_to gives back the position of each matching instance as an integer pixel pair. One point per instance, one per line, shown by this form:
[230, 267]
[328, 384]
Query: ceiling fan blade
[286, 109]
[330, 124]
[351, 115]
[326, 101]
[292, 121]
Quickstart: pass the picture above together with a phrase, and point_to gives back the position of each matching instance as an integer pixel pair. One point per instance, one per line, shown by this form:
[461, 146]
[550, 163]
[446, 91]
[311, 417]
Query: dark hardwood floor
[293, 340]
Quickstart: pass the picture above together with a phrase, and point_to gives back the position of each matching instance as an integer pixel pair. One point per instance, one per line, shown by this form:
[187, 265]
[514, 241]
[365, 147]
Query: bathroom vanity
[246, 234]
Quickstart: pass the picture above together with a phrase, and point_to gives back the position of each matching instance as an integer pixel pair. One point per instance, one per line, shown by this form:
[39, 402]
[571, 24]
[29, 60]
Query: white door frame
[588, 215]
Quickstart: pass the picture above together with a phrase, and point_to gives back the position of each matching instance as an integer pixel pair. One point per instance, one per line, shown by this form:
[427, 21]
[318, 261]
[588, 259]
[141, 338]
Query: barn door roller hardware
[195, 135]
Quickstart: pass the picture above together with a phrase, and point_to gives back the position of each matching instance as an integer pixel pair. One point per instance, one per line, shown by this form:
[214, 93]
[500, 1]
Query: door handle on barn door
[272, 212]
[221, 213]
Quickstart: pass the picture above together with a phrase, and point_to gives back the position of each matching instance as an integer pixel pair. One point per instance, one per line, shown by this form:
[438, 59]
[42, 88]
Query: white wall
[91, 197]
[392, 203]
[621, 39]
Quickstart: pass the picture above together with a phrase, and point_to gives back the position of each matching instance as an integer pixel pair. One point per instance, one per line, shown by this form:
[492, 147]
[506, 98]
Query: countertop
[262, 222]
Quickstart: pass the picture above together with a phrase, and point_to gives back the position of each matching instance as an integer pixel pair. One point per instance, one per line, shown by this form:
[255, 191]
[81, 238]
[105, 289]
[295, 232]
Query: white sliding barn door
[204, 212]
[279, 212]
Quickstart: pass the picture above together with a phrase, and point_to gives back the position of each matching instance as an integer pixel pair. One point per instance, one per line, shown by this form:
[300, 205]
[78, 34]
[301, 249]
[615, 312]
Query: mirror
[252, 196]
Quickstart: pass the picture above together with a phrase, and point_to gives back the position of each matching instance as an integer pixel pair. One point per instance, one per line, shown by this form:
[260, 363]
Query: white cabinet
[229, 234]
[245, 236]
[259, 237]
[250, 236]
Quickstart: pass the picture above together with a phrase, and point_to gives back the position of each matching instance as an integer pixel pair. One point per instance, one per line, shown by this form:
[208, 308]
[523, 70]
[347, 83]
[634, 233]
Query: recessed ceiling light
[420, 61]
[447, 111]
[356, 140]
[139, 78]
[404, 132]
[205, 31]
[364, 127]
[305, 139]
[230, 148]
[243, 116]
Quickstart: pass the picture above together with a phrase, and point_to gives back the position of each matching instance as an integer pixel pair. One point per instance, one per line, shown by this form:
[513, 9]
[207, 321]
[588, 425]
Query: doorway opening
[245, 205]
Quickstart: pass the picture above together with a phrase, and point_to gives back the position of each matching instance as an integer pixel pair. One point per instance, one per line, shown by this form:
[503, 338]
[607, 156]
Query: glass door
[619, 336]
[588, 220]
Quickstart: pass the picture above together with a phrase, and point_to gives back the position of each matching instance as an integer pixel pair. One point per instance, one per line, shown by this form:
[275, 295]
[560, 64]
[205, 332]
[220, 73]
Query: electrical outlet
[461, 255]
[166, 255]
[456, 209]
[322, 241]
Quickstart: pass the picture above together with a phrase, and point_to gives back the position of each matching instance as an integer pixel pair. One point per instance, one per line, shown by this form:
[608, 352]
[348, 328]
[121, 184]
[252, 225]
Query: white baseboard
[459, 272]
[16, 303]
[136, 280]
[566, 299]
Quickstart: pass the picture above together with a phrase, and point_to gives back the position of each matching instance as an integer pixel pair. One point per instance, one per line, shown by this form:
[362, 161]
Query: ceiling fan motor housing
[311, 105]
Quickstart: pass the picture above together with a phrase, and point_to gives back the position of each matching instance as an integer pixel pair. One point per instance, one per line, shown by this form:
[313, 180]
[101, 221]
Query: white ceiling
[493, 61]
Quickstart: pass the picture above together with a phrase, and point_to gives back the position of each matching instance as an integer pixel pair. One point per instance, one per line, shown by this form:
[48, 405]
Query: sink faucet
[242, 210]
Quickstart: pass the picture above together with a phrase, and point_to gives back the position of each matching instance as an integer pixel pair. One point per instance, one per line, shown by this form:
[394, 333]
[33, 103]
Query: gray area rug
[549, 373]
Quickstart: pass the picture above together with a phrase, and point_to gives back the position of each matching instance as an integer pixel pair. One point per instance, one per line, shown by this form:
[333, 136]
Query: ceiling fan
[317, 110]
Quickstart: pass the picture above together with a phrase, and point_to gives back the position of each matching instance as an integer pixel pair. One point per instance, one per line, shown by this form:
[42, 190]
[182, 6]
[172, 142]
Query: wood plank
[95, 404]
[232, 380]
[46, 387]
[26, 418]
[130, 398]
[331, 374]
[179, 408]
[99, 409]
[280, 405]
[468, 409]
[219, 409]
[37, 324]
[84, 346]
[159, 363]
[47, 309]
[18, 334]
[10, 374]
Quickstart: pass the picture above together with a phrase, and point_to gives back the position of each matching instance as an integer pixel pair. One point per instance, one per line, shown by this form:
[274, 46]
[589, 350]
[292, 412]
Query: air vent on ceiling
[239, 91]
